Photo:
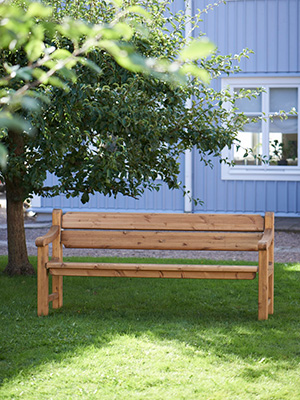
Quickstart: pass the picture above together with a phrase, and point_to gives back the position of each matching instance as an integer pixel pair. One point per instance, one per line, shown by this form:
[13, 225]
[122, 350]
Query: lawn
[150, 339]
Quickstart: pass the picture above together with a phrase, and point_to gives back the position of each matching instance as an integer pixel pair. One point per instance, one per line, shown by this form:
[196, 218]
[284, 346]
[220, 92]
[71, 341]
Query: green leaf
[67, 74]
[13, 122]
[30, 103]
[117, 3]
[34, 49]
[124, 30]
[40, 74]
[3, 156]
[85, 197]
[139, 10]
[50, 64]
[197, 49]
[200, 73]
[24, 73]
[54, 81]
[38, 32]
[90, 64]
[61, 54]
[38, 10]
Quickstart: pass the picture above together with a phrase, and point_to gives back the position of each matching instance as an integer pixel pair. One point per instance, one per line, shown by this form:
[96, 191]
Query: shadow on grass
[216, 317]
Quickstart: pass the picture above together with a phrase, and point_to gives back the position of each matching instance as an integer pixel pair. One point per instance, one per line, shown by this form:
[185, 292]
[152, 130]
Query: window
[273, 138]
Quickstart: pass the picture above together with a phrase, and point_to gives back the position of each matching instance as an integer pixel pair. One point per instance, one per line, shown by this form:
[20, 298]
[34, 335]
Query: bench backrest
[162, 231]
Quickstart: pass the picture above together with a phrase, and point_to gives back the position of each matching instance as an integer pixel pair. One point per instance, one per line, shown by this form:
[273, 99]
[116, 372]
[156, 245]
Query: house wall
[271, 29]
[163, 201]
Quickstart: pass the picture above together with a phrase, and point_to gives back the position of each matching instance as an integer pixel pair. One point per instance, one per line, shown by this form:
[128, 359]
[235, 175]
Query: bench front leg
[263, 284]
[43, 281]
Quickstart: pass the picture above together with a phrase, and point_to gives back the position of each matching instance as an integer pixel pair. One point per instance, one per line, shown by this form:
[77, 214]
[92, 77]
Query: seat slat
[167, 222]
[180, 271]
[147, 240]
[144, 267]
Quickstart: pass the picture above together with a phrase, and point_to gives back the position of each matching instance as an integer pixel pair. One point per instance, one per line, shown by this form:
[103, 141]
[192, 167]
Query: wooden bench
[102, 230]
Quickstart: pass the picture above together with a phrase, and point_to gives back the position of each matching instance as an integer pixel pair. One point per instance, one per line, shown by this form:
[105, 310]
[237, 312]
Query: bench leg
[57, 281]
[43, 282]
[263, 284]
[271, 294]
[271, 279]
[57, 287]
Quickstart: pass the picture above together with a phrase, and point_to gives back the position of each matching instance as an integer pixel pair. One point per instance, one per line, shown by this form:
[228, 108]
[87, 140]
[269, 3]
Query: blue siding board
[283, 37]
[211, 188]
[294, 35]
[298, 198]
[298, 37]
[291, 198]
[240, 31]
[271, 196]
[260, 196]
[221, 23]
[272, 30]
[231, 189]
[250, 25]
[231, 27]
[249, 196]
[261, 38]
[281, 197]
[221, 189]
[239, 196]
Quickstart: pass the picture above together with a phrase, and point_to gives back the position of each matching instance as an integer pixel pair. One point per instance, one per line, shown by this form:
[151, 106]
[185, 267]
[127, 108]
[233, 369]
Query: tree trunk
[18, 263]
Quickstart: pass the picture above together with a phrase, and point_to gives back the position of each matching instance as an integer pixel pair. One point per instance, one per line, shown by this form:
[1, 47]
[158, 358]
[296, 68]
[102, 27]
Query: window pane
[289, 125]
[249, 105]
[251, 138]
[283, 99]
[283, 139]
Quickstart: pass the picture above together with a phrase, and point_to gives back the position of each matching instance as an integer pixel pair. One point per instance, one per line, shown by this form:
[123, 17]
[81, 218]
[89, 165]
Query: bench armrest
[266, 240]
[48, 237]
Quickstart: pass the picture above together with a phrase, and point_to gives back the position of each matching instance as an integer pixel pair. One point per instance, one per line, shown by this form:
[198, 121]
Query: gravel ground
[287, 247]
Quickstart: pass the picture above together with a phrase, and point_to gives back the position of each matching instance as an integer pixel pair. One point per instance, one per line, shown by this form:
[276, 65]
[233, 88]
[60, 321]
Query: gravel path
[287, 248]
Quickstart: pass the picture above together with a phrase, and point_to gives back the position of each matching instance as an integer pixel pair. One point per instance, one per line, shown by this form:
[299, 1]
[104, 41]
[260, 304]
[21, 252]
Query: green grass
[150, 339]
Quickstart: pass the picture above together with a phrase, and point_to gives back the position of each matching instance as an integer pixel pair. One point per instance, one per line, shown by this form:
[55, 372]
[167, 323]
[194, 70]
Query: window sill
[260, 173]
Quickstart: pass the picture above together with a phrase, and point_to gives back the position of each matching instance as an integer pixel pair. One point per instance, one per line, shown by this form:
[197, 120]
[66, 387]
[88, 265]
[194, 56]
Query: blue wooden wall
[271, 29]
[163, 201]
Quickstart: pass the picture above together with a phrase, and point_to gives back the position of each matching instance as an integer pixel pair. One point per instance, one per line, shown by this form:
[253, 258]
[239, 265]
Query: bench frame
[156, 231]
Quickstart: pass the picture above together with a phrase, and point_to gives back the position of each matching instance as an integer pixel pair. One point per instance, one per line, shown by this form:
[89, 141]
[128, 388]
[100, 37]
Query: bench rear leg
[271, 294]
[271, 279]
[57, 287]
[263, 285]
[57, 281]
[43, 282]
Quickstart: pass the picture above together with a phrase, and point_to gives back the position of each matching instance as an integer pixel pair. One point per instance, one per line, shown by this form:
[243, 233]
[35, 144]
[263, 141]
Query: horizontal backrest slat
[167, 222]
[151, 240]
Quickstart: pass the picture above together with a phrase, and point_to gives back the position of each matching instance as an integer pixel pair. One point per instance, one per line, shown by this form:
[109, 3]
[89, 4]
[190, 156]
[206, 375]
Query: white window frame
[264, 172]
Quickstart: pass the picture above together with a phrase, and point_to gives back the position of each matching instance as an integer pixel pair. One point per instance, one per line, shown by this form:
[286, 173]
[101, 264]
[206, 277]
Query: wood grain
[168, 222]
[179, 271]
[161, 240]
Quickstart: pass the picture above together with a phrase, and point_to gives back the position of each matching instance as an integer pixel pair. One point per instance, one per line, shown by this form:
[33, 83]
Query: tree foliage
[103, 125]
[96, 93]
[115, 129]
